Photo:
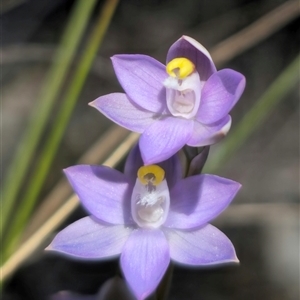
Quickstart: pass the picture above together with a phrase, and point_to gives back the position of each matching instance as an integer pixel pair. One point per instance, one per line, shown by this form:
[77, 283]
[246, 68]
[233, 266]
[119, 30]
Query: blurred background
[257, 38]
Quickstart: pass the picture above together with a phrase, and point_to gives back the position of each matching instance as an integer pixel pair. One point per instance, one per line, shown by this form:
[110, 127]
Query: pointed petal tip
[120, 56]
[142, 296]
[236, 260]
[91, 103]
[49, 248]
[145, 262]
[117, 56]
[230, 261]
[151, 160]
[67, 170]
[236, 187]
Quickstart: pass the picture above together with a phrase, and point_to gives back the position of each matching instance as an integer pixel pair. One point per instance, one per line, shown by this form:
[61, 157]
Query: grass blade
[52, 85]
[52, 143]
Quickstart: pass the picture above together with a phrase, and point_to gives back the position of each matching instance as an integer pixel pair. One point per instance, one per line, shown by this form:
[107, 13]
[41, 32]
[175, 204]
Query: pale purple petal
[198, 199]
[204, 246]
[103, 191]
[219, 94]
[90, 239]
[164, 138]
[121, 110]
[195, 52]
[204, 135]
[144, 260]
[142, 78]
[171, 166]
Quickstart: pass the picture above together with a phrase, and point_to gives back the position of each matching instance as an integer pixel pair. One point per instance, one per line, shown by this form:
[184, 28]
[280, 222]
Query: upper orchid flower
[185, 102]
[149, 215]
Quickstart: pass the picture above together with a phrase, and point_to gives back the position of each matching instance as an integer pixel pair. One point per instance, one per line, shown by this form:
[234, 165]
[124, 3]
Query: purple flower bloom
[149, 215]
[185, 102]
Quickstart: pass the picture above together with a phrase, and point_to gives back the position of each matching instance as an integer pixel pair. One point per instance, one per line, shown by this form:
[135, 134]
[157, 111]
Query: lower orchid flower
[150, 215]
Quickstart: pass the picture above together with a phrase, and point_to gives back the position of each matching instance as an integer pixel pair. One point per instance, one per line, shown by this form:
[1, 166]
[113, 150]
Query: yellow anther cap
[180, 67]
[151, 174]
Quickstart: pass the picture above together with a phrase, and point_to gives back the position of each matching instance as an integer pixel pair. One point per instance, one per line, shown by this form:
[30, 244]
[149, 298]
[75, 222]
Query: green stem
[52, 143]
[51, 87]
[255, 116]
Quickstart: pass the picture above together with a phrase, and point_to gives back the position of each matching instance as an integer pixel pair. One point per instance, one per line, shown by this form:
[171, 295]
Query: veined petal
[142, 78]
[219, 94]
[121, 110]
[195, 52]
[204, 135]
[171, 166]
[90, 239]
[204, 246]
[103, 191]
[144, 260]
[198, 199]
[164, 138]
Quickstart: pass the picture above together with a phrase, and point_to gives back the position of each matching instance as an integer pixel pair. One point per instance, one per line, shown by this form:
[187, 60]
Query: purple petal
[171, 166]
[144, 260]
[195, 52]
[198, 199]
[219, 94]
[118, 108]
[204, 246]
[204, 135]
[88, 238]
[164, 138]
[142, 78]
[103, 191]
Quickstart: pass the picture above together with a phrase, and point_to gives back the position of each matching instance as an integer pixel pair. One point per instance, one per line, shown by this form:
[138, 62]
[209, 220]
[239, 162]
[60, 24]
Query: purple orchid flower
[149, 215]
[185, 102]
